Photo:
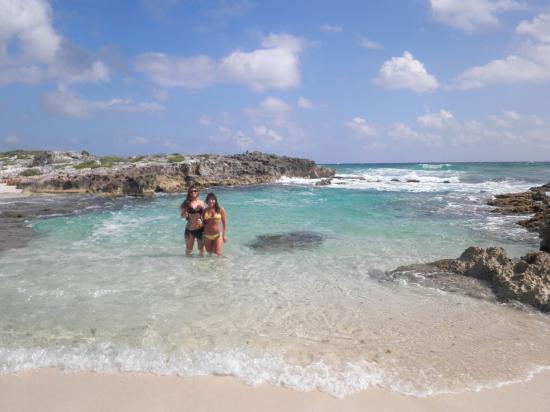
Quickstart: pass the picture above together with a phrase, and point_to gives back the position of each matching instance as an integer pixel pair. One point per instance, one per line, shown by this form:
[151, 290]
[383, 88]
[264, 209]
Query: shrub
[30, 172]
[176, 158]
[90, 164]
[109, 161]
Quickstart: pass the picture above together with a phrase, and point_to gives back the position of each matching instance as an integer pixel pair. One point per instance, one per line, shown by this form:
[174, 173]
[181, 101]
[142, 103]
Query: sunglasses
[194, 191]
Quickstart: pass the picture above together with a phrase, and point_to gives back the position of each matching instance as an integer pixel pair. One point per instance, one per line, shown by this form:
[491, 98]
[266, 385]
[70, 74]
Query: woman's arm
[183, 213]
[224, 222]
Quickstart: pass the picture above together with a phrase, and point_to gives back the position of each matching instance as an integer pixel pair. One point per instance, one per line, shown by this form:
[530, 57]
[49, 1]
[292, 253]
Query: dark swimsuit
[196, 233]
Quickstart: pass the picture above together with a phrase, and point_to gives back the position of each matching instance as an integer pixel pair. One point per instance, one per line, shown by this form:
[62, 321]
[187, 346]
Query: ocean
[104, 285]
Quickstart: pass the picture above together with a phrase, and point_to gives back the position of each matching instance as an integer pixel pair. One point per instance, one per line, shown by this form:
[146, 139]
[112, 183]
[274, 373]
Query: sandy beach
[55, 390]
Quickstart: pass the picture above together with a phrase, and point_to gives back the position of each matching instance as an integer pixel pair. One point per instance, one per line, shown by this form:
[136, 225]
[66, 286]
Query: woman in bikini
[191, 210]
[215, 225]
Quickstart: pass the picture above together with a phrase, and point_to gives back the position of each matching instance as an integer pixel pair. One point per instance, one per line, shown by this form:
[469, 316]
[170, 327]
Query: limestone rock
[536, 200]
[545, 235]
[69, 172]
[527, 281]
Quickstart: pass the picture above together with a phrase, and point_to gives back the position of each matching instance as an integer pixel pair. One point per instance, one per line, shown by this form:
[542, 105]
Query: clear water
[111, 290]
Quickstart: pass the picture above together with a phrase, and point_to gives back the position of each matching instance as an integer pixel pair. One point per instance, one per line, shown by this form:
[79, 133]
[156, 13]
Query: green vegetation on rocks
[30, 172]
[90, 164]
[176, 158]
[22, 154]
[110, 161]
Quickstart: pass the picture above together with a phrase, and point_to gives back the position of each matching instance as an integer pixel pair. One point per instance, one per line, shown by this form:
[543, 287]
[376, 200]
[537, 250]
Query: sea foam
[341, 381]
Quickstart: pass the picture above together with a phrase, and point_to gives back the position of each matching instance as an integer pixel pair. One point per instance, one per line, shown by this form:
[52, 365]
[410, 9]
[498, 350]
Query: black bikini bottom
[197, 233]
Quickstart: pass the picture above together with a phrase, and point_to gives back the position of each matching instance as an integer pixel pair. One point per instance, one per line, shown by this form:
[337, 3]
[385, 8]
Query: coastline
[56, 390]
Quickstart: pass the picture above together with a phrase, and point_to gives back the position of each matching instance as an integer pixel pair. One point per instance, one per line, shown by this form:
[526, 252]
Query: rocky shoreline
[526, 280]
[82, 172]
[535, 201]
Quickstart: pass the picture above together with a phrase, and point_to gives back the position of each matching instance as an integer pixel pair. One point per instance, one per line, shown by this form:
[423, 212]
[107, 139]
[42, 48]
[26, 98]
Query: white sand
[54, 390]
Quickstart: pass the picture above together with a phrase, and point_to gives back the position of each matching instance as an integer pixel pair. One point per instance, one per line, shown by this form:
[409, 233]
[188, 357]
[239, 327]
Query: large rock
[545, 235]
[527, 280]
[152, 174]
[535, 200]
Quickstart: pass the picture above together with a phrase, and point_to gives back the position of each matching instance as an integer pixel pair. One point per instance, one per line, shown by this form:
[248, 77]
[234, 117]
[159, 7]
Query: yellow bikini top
[216, 216]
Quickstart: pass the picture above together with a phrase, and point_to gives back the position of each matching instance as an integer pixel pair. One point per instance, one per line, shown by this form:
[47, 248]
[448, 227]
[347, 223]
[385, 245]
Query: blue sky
[348, 81]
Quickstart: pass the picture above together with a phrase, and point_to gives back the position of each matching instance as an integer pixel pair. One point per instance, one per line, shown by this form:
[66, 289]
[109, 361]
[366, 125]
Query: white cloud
[272, 110]
[11, 140]
[275, 66]
[538, 28]
[273, 121]
[509, 119]
[369, 44]
[304, 103]
[97, 71]
[265, 132]
[406, 73]
[238, 137]
[402, 131]
[66, 102]
[513, 69]
[361, 127]
[139, 140]
[29, 23]
[471, 15]
[328, 28]
[32, 51]
[437, 120]
[271, 105]
[189, 72]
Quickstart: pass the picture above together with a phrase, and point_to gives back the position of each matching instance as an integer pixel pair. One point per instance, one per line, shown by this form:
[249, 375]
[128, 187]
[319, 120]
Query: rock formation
[288, 241]
[527, 280]
[545, 236]
[74, 172]
[536, 200]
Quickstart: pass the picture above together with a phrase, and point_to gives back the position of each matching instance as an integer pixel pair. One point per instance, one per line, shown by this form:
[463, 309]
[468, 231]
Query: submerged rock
[323, 182]
[527, 280]
[288, 241]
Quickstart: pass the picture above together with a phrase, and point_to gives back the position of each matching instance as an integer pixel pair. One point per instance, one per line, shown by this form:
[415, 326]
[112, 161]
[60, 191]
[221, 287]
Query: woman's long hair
[187, 202]
[216, 205]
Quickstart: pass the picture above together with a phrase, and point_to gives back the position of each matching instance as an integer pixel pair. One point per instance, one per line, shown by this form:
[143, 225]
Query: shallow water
[110, 289]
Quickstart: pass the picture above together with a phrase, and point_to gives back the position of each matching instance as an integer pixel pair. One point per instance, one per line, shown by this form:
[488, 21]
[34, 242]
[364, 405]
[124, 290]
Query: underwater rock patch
[301, 240]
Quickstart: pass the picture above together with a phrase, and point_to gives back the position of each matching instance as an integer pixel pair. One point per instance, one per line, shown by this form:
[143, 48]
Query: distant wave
[430, 166]
[403, 180]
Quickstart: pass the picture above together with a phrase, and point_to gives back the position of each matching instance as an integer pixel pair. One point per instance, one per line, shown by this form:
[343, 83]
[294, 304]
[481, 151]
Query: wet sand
[55, 390]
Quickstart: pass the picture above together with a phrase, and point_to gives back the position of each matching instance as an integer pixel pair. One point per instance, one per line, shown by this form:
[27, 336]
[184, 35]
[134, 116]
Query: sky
[346, 81]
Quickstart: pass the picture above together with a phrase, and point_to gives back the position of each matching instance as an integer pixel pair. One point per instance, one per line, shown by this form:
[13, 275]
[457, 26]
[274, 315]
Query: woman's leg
[208, 244]
[201, 246]
[218, 245]
[189, 242]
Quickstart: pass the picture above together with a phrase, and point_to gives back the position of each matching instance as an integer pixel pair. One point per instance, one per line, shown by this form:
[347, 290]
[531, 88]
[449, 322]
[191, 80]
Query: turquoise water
[110, 289]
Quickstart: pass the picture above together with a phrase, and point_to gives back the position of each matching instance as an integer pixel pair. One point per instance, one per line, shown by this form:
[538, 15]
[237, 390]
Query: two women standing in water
[205, 223]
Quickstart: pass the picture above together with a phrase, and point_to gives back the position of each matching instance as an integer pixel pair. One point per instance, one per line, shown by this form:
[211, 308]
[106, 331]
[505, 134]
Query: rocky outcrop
[81, 172]
[527, 280]
[545, 236]
[536, 200]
